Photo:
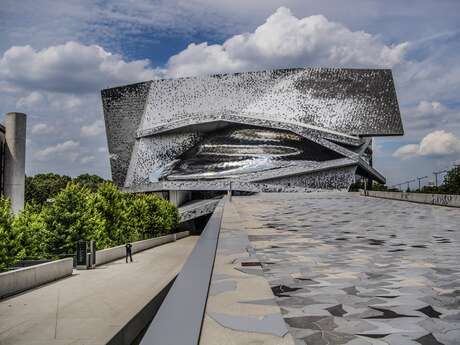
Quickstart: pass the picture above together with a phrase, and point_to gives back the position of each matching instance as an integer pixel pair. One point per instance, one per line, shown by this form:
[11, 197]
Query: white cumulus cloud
[87, 159]
[93, 129]
[33, 99]
[287, 41]
[70, 67]
[433, 107]
[42, 128]
[435, 144]
[68, 149]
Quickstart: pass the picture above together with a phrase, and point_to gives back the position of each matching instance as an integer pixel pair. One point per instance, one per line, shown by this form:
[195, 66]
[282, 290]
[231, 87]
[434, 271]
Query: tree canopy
[452, 181]
[90, 181]
[41, 188]
[87, 208]
[10, 249]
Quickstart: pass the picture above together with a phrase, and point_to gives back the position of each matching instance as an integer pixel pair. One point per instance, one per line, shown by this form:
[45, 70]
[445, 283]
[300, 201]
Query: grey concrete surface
[91, 307]
[197, 208]
[179, 197]
[182, 234]
[110, 254]
[422, 198]
[22, 279]
[15, 159]
[241, 308]
[346, 269]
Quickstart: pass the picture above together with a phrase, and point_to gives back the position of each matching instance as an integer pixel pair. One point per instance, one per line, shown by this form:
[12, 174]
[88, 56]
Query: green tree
[70, 217]
[54, 220]
[91, 181]
[430, 190]
[452, 181]
[137, 216]
[31, 229]
[111, 204]
[42, 187]
[10, 248]
[166, 218]
[151, 216]
[379, 187]
[356, 186]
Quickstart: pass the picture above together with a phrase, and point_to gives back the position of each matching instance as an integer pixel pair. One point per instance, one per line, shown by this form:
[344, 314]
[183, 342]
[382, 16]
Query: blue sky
[55, 56]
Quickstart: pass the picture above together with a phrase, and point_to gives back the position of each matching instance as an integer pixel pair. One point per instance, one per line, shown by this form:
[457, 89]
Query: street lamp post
[436, 173]
[408, 183]
[420, 179]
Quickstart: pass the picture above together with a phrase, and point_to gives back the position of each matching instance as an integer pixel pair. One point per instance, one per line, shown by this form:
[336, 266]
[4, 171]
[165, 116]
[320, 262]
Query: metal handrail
[180, 317]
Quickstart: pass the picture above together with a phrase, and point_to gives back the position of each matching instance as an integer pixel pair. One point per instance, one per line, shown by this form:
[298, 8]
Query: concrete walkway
[90, 307]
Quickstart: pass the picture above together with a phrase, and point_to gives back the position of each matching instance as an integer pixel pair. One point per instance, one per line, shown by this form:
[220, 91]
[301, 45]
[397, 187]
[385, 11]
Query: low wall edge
[449, 200]
[26, 278]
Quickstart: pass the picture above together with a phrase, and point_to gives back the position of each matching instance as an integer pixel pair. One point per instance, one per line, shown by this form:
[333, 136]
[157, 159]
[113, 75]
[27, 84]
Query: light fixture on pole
[408, 183]
[420, 179]
[436, 173]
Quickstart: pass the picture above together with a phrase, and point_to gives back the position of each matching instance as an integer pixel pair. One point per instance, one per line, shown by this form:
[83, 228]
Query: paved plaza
[347, 269]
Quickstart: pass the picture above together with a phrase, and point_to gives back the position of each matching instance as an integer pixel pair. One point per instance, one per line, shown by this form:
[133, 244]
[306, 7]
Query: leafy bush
[33, 236]
[138, 213]
[151, 216]
[70, 218]
[356, 186]
[166, 218]
[10, 248]
[111, 205]
[94, 210]
[452, 181]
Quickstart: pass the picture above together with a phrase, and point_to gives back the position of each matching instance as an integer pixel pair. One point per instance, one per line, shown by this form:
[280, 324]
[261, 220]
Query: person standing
[128, 252]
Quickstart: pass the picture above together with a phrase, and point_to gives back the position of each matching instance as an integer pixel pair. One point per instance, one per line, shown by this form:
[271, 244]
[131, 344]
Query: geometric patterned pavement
[354, 270]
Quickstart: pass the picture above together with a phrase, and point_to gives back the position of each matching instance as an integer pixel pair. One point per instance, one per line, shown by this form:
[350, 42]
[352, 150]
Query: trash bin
[82, 255]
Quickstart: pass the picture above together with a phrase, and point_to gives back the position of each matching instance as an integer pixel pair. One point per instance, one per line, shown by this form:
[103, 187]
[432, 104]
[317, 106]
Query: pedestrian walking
[128, 252]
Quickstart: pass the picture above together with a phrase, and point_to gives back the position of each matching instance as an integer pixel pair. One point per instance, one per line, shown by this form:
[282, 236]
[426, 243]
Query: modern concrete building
[12, 158]
[278, 130]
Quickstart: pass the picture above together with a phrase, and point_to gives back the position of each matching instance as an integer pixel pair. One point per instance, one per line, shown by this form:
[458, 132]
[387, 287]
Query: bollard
[92, 247]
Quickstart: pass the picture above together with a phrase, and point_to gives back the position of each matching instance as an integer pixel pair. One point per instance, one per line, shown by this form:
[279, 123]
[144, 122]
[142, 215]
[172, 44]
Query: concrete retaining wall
[179, 197]
[433, 199]
[27, 278]
[22, 279]
[182, 234]
[106, 255]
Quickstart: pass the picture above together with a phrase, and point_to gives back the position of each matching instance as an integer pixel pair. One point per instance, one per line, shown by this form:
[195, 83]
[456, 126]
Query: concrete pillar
[179, 197]
[15, 159]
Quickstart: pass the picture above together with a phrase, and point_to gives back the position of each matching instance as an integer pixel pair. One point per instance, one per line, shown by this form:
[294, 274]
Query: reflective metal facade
[291, 129]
